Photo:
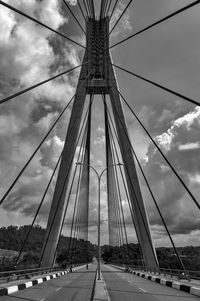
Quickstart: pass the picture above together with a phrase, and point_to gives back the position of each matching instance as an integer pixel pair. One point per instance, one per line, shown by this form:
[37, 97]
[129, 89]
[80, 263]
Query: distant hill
[12, 238]
[189, 255]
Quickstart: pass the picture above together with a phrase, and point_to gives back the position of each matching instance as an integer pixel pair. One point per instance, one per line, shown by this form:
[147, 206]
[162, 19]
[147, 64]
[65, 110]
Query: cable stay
[86, 9]
[75, 18]
[108, 8]
[125, 9]
[107, 37]
[67, 203]
[131, 210]
[116, 185]
[111, 123]
[105, 8]
[81, 10]
[41, 83]
[112, 12]
[78, 202]
[40, 23]
[113, 215]
[37, 212]
[157, 22]
[102, 8]
[133, 189]
[120, 204]
[91, 5]
[71, 186]
[38, 147]
[32, 156]
[120, 237]
[76, 199]
[159, 149]
[160, 86]
[151, 193]
[63, 187]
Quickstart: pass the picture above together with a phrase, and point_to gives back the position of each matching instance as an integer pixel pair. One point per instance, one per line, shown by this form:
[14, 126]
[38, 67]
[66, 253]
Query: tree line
[72, 251]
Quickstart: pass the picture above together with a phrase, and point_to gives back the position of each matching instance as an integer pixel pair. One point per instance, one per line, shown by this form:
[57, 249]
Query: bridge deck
[78, 286]
[126, 287]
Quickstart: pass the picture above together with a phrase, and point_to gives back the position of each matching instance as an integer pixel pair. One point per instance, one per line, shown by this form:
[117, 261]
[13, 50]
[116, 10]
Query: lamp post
[99, 175]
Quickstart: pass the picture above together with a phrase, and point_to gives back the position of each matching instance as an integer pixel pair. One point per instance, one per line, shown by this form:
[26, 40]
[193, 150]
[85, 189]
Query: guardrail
[28, 273]
[180, 274]
[18, 274]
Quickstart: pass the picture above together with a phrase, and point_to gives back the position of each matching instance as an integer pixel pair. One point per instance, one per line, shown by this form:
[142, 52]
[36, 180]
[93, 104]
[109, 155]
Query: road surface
[76, 286]
[128, 287]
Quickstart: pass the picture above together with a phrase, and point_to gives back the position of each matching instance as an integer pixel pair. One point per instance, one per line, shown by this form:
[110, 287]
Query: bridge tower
[98, 77]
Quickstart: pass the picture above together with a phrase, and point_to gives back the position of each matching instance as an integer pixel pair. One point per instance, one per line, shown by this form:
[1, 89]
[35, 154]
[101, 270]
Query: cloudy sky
[168, 54]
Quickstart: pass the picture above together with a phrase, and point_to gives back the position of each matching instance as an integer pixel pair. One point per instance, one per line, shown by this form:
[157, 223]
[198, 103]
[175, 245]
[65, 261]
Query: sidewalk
[191, 287]
[14, 286]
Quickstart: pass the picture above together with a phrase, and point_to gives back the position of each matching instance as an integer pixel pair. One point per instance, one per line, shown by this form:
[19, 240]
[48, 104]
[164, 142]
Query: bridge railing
[19, 274]
[180, 274]
[8, 276]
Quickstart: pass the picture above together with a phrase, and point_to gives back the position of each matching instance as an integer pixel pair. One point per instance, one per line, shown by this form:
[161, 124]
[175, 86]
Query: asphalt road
[76, 286]
[128, 287]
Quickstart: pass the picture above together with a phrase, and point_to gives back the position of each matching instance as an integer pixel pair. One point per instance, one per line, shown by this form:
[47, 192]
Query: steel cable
[40, 23]
[158, 22]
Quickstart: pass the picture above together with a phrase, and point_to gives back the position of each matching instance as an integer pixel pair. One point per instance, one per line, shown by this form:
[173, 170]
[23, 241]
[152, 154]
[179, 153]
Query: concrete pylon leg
[139, 211]
[111, 188]
[84, 187]
[58, 205]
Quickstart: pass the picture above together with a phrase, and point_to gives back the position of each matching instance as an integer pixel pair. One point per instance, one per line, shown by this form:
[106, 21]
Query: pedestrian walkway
[128, 286]
[14, 286]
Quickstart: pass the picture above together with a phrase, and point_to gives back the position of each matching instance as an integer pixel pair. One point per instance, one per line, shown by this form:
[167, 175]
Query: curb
[15, 288]
[100, 291]
[174, 284]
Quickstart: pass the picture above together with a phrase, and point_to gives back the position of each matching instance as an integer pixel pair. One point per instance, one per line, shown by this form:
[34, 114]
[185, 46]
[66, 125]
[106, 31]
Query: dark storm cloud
[28, 56]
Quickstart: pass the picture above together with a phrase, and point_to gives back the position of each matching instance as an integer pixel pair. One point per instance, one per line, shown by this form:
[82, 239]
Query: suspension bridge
[74, 205]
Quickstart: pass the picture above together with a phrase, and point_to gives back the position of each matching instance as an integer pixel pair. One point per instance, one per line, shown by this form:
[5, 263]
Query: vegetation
[12, 238]
[130, 254]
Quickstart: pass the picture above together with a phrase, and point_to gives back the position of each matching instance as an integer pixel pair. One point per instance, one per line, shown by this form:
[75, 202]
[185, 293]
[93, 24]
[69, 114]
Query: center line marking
[59, 288]
[142, 289]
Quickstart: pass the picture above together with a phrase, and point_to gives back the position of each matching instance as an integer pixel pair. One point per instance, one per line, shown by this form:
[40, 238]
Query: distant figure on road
[87, 266]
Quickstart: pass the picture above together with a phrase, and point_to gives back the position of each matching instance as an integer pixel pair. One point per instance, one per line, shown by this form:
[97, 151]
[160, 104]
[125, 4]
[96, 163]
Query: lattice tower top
[97, 50]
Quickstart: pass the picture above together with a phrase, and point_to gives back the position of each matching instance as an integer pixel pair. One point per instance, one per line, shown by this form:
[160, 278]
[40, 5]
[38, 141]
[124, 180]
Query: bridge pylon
[97, 77]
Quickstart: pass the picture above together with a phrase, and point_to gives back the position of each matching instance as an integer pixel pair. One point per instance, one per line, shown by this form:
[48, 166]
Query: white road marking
[142, 290]
[59, 288]
[42, 299]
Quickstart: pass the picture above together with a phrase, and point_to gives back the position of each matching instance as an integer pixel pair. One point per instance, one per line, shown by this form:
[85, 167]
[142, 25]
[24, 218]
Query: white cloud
[189, 146]
[180, 144]
[99, 140]
[72, 2]
[100, 130]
